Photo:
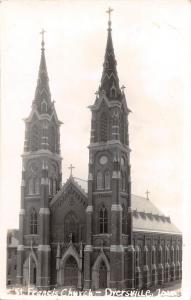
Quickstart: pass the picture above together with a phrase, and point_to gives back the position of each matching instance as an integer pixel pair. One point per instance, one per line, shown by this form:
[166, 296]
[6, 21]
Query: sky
[152, 49]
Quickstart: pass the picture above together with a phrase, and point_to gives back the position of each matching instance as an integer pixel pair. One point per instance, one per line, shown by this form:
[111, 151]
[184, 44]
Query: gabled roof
[71, 180]
[147, 217]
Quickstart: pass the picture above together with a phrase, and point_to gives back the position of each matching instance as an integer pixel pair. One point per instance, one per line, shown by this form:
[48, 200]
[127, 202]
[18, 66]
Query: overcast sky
[151, 47]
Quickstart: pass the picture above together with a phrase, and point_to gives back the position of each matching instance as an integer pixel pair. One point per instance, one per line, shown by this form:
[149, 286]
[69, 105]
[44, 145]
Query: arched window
[160, 254]
[122, 129]
[54, 187]
[167, 254]
[44, 107]
[172, 254]
[50, 186]
[123, 220]
[36, 186]
[35, 138]
[33, 222]
[53, 139]
[177, 254]
[153, 255]
[113, 92]
[71, 227]
[107, 180]
[123, 181]
[31, 186]
[103, 127]
[137, 256]
[103, 220]
[145, 255]
[99, 180]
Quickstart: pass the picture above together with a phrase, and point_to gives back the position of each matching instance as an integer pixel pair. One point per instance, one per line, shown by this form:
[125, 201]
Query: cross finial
[42, 33]
[109, 11]
[147, 193]
[122, 88]
[70, 168]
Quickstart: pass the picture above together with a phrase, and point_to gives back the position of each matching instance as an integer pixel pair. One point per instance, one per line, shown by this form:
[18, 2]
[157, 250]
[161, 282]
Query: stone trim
[89, 208]
[116, 175]
[22, 183]
[116, 248]
[90, 176]
[22, 211]
[88, 248]
[45, 248]
[44, 211]
[44, 181]
[20, 248]
[116, 207]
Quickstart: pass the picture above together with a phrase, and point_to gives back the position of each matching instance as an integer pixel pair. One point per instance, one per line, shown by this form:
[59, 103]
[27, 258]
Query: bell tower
[109, 183]
[41, 179]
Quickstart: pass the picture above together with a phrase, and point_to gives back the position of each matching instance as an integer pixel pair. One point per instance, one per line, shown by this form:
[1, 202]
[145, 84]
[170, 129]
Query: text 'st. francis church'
[92, 234]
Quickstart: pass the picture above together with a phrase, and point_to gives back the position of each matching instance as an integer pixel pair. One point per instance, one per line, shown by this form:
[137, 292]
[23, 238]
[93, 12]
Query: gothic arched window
[113, 92]
[31, 186]
[107, 180]
[122, 129]
[54, 187]
[123, 220]
[137, 256]
[33, 221]
[145, 255]
[177, 254]
[36, 186]
[160, 255]
[172, 254]
[153, 255]
[99, 180]
[167, 254]
[103, 220]
[50, 186]
[35, 138]
[71, 227]
[44, 107]
[123, 181]
[103, 127]
[53, 139]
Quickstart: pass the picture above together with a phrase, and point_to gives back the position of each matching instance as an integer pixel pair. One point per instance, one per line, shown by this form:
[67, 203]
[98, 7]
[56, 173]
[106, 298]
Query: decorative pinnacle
[109, 11]
[42, 43]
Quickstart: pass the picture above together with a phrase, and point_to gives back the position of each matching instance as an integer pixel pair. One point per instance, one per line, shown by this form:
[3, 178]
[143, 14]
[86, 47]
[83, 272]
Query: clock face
[122, 161]
[103, 160]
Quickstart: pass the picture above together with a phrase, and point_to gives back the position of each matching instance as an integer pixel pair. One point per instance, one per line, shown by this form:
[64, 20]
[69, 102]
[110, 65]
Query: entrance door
[71, 272]
[102, 276]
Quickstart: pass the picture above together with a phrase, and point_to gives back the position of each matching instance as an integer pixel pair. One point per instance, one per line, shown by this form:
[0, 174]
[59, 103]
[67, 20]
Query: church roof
[146, 216]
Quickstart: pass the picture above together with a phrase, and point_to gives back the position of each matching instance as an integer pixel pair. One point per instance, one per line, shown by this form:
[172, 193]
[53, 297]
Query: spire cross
[147, 193]
[70, 168]
[42, 33]
[109, 11]
[122, 88]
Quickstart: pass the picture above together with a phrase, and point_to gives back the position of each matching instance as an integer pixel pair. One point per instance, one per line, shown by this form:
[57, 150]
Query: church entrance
[102, 276]
[29, 271]
[71, 272]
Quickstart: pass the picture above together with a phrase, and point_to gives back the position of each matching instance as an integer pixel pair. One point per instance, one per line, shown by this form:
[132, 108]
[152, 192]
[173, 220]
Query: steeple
[110, 80]
[42, 93]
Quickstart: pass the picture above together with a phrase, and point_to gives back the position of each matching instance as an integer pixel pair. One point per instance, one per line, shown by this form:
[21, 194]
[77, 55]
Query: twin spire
[42, 93]
[109, 80]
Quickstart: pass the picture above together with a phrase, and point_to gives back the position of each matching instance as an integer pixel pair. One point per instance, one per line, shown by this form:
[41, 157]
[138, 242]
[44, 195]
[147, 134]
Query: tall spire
[42, 92]
[110, 80]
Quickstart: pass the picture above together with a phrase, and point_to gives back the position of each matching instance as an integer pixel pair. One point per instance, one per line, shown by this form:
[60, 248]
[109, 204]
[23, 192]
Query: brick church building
[95, 233]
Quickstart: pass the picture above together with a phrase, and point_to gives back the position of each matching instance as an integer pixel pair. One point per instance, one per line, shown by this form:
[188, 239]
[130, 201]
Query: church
[92, 234]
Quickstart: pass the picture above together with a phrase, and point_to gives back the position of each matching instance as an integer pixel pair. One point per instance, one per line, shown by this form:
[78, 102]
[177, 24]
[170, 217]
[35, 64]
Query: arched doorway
[102, 275]
[29, 271]
[71, 272]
